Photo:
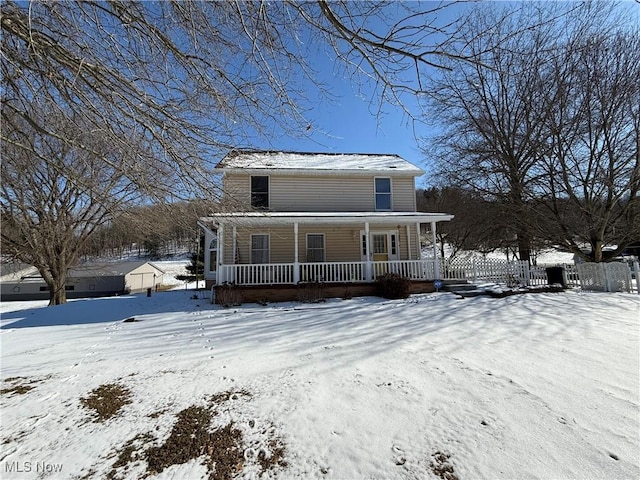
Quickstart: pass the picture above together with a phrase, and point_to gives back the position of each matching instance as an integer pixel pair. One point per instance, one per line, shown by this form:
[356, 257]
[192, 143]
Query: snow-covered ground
[530, 386]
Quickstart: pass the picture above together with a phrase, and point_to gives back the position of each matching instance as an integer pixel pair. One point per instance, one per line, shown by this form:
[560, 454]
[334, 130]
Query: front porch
[275, 254]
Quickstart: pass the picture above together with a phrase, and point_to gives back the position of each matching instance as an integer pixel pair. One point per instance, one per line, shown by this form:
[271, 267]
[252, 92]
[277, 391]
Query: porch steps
[458, 286]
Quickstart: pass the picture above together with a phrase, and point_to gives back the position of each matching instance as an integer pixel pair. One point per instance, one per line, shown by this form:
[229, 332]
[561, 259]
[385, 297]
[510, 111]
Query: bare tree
[589, 181]
[192, 79]
[497, 114]
[473, 227]
[492, 130]
[188, 79]
[54, 196]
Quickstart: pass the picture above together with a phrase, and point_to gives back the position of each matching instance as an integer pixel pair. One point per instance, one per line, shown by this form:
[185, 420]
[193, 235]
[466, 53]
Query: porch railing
[329, 272]
[333, 272]
[413, 269]
[258, 274]
[474, 270]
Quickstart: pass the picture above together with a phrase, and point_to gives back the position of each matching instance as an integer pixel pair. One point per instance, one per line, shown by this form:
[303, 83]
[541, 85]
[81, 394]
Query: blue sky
[350, 124]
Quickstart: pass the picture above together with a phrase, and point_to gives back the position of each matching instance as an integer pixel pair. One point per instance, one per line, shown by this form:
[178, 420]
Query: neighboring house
[342, 219]
[23, 282]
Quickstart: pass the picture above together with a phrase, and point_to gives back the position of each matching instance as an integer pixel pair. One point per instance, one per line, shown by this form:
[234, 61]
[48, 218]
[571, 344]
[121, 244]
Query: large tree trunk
[596, 251]
[56, 280]
[524, 247]
[57, 294]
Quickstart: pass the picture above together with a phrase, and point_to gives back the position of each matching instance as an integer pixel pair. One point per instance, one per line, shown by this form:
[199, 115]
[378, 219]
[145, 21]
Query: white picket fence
[610, 277]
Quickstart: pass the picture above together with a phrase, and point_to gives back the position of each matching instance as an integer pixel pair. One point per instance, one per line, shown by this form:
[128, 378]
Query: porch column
[220, 278]
[436, 261]
[234, 245]
[409, 254]
[296, 262]
[367, 247]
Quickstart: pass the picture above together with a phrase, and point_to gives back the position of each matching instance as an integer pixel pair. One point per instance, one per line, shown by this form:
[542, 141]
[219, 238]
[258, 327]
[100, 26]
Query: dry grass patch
[225, 452]
[219, 398]
[106, 400]
[20, 385]
[16, 390]
[441, 467]
[192, 436]
[276, 457]
[129, 453]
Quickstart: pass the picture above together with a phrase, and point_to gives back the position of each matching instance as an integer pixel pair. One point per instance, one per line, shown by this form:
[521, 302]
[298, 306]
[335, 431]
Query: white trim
[388, 233]
[369, 247]
[396, 234]
[286, 218]
[206, 228]
[263, 174]
[296, 254]
[268, 235]
[220, 278]
[235, 243]
[210, 274]
[367, 241]
[324, 246]
[321, 172]
[436, 262]
[375, 194]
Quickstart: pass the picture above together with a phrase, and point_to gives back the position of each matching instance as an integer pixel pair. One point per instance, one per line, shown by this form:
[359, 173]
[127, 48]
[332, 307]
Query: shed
[23, 282]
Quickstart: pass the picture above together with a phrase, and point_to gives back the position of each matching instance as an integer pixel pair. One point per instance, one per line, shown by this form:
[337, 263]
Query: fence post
[527, 273]
[475, 270]
[636, 271]
[603, 269]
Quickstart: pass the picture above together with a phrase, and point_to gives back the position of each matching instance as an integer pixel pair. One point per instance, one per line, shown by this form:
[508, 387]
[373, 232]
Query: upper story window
[260, 192]
[383, 193]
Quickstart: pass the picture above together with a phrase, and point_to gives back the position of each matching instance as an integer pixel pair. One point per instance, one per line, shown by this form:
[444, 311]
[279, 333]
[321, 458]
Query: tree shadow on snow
[99, 310]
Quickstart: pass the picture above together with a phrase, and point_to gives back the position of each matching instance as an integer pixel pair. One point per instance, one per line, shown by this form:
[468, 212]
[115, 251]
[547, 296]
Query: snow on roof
[13, 271]
[108, 269]
[326, 162]
[84, 270]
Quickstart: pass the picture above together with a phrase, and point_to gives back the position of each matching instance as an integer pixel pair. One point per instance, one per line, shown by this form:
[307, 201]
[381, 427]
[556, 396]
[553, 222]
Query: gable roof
[310, 163]
[18, 272]
[108, 269]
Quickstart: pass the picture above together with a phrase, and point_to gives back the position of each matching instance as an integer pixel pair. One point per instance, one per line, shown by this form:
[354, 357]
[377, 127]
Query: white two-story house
[291, 217]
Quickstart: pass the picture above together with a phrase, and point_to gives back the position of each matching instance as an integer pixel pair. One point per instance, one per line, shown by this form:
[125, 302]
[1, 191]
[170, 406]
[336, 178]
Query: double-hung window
[213, 254]
[383, 193]
[315, 247]
[260, 191]
[260, 248]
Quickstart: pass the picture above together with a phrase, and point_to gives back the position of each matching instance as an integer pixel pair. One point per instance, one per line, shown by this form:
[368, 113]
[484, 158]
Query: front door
[383, 244]
[380, 247]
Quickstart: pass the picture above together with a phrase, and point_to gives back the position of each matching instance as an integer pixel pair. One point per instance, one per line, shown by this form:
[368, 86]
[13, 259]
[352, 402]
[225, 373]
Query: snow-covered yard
[529, 386]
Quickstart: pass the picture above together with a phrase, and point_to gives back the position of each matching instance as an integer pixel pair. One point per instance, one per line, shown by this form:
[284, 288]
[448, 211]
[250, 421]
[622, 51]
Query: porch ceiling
[290, 218]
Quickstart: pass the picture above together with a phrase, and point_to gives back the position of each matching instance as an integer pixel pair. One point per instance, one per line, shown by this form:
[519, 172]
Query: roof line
[240, 151]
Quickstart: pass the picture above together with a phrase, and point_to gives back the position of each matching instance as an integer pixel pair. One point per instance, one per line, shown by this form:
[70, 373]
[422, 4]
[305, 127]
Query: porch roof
[289, 218]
